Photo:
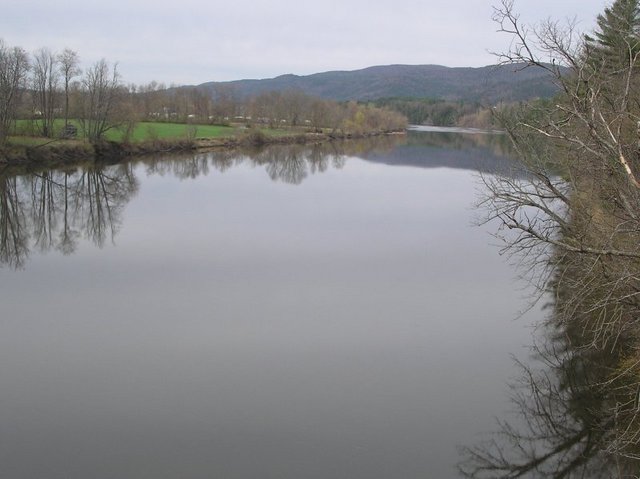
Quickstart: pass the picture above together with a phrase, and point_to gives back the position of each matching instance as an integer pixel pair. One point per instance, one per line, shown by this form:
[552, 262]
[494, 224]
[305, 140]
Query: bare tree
[68, 62]
[580, 194]
[226, 103]
[571, 216]
[45, 77]
[101, 91]
[14, 66]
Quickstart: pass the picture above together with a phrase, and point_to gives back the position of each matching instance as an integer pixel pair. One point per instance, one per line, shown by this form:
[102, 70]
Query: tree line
[42, 87]
[439, 112]
[49, 88]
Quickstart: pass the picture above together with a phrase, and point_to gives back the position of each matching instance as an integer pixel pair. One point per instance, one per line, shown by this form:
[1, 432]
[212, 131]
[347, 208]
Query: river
[295, 312]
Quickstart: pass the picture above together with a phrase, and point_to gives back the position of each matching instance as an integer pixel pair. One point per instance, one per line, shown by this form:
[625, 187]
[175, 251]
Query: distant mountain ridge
[487, 84]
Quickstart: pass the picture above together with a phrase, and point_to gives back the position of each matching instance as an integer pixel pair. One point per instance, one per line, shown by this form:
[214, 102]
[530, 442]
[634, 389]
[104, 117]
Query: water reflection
[317, 329]
[577, 402]
[54, 209]
[489, 153]
[13, 230]
[286, 163]
[293, 165]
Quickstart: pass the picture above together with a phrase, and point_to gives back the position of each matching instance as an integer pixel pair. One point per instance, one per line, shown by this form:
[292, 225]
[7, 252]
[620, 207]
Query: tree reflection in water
[14, 233]
[101, 198]
[293, 164]
[576, 403]
[287, 163]
[53, 209]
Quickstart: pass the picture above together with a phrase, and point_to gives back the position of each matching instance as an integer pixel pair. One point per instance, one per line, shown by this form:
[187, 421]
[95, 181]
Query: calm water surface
[290, 313]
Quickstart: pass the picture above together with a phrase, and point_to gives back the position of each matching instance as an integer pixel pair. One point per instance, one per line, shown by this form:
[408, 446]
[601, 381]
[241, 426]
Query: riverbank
[60, 152]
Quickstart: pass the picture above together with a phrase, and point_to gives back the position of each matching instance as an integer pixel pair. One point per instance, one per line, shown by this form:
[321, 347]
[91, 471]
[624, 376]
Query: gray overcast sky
[194, 41]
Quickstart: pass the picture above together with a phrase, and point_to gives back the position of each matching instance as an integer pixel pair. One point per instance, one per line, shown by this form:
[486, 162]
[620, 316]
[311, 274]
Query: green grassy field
[30, 141]
[144, 131]
[27, 132]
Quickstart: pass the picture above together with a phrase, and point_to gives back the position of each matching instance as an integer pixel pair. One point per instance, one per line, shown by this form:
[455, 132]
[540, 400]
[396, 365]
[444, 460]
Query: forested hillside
[488, 84]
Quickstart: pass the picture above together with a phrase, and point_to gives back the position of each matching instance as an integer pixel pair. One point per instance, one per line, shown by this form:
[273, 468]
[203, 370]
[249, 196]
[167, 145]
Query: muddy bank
[57, 154]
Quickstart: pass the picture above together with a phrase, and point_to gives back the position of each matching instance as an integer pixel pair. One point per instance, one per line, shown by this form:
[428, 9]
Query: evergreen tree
[616, 43]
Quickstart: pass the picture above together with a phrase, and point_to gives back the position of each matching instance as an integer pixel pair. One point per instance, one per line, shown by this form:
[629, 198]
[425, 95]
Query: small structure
[69, 131]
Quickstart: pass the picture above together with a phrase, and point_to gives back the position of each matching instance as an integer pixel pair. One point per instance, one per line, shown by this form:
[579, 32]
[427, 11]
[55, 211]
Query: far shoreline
[61, 152]
[455, 129]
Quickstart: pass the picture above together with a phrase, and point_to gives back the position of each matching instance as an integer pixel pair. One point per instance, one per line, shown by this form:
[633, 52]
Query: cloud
[194, 41]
